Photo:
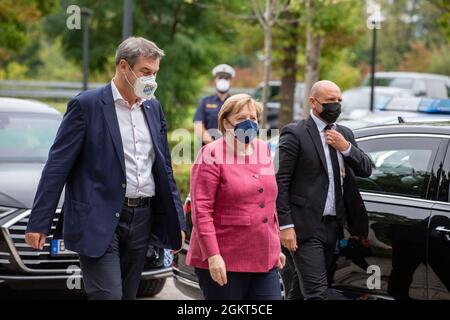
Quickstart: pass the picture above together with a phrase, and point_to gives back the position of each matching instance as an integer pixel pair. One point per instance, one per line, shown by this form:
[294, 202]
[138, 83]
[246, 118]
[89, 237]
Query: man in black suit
[317, 192]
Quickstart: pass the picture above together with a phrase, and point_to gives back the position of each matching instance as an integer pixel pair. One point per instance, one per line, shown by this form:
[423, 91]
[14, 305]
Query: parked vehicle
[399, 110]
[421, 84]
[273, 106]
[27, 130]
[359, 98]
[408, 202]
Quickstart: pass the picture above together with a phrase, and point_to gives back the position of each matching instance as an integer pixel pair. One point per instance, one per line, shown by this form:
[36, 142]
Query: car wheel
[150, 288]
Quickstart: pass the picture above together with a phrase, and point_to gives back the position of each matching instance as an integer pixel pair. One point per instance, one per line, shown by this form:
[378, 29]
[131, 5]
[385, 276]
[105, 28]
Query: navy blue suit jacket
[87, 158]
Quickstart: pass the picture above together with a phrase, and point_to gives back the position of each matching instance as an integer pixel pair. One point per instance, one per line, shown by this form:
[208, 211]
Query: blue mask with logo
[246, 131]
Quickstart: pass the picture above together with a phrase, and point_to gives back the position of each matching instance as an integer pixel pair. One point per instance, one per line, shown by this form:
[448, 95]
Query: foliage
[17, 17]
[193, 37]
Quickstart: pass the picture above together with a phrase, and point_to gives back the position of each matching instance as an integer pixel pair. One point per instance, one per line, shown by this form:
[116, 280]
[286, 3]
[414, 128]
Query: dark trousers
[290, 278]
[241, 286]
[313, 258]
[116, 274]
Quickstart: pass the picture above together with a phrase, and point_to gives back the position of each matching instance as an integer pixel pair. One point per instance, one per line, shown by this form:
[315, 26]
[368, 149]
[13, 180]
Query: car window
[274, 94]
[436, 89]
[26, 137]
[420, 88]
[406, 83]
[401, 165]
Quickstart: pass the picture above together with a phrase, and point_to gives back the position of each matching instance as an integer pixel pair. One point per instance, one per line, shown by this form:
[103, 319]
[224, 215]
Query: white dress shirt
[137, 146]
[330, 203]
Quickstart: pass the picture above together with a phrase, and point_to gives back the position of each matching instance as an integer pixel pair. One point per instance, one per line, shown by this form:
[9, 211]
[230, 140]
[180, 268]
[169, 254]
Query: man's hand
[183, 238]
[217, 269]
[336, 140]
[281, 260]
[289, 239]
[35, 240]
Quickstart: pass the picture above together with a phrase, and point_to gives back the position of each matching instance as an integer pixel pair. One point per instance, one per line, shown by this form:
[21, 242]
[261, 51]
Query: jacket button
[261, 190]
[256, 176]
[262, 205]
[265, 220]
[124, 185]
[117, 215]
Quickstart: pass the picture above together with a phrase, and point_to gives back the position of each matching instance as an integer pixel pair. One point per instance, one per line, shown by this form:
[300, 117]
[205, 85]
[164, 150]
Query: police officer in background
[205, 119]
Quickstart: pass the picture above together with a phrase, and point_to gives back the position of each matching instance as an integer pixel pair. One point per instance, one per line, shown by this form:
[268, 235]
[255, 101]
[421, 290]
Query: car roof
[398, 74]
[440, 128]
[25, 106]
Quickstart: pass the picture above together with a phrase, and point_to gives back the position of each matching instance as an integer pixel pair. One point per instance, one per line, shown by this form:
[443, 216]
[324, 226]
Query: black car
[408, 201]
[27, 130]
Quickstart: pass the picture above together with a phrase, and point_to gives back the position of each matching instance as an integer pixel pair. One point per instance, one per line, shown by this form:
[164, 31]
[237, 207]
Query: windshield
[26, 137]
[358, 100]
[400, 82]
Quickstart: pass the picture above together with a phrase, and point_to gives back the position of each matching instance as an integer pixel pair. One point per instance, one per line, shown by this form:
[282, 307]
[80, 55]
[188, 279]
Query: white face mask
[144, 87]
[223, 85]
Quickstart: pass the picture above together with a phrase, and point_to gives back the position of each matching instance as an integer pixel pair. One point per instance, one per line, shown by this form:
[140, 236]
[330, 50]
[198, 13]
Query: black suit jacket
[302, 180]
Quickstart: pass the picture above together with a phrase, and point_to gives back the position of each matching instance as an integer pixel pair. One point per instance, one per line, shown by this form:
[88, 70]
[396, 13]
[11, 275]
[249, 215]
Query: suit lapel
[109, 112]
[150, 118]
[315, 136]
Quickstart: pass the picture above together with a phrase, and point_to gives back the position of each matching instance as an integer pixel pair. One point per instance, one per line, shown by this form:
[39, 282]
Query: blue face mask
[246, 131]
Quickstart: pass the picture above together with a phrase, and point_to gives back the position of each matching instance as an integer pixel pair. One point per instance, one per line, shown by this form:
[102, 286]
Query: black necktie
[336, 173]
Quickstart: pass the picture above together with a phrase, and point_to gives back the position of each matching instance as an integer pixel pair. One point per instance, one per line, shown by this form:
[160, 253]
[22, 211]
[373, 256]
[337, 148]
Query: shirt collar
[118, 97]
[320, 123]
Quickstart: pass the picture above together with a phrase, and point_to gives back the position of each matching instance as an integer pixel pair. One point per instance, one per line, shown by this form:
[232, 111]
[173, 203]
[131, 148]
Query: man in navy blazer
[112, 155]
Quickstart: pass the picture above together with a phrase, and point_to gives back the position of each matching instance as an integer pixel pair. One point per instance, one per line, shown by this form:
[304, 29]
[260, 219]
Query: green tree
[194, 37]
[405, 23]
[17, 17]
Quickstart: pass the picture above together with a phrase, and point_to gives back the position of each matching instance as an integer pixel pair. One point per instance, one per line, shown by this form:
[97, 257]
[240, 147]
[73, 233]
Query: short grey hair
[133, 47]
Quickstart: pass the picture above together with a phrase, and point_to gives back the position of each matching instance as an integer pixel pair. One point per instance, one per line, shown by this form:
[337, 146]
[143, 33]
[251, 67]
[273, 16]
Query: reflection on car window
[26, 137]
[401, 166]
[444, 173]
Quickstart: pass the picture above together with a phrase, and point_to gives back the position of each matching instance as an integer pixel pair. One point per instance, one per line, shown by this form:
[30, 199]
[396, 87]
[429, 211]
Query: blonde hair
[234, 104]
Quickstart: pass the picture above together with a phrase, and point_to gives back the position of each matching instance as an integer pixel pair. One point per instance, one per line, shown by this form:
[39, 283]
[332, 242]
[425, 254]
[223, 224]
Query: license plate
[59, 249]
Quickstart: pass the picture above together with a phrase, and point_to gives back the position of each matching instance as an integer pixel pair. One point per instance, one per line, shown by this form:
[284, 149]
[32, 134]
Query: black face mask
[330, 112]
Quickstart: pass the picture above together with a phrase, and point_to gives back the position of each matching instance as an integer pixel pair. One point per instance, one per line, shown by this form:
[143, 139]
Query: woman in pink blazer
[235, 244]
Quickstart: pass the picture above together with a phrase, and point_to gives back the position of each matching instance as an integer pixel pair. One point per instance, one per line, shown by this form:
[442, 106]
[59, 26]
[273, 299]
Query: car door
[439, 235]
[395, 196]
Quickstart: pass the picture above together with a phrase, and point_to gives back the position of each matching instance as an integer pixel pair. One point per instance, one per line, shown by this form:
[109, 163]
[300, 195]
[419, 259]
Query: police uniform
[208, 109]
[208, 112]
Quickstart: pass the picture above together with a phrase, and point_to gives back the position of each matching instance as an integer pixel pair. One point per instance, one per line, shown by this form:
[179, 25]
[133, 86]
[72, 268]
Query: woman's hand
[217, 269]
[281, 260]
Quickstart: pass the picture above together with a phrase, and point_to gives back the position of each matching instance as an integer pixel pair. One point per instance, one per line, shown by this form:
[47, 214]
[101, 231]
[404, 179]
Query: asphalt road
[170, 292]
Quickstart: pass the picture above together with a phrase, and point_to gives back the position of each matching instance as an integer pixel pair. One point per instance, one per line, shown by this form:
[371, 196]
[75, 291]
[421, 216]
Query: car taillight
[187, 207]
[187, 204]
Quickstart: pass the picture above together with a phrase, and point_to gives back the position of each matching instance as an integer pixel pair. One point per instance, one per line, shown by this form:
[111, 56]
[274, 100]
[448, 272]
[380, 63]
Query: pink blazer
[233, 209]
